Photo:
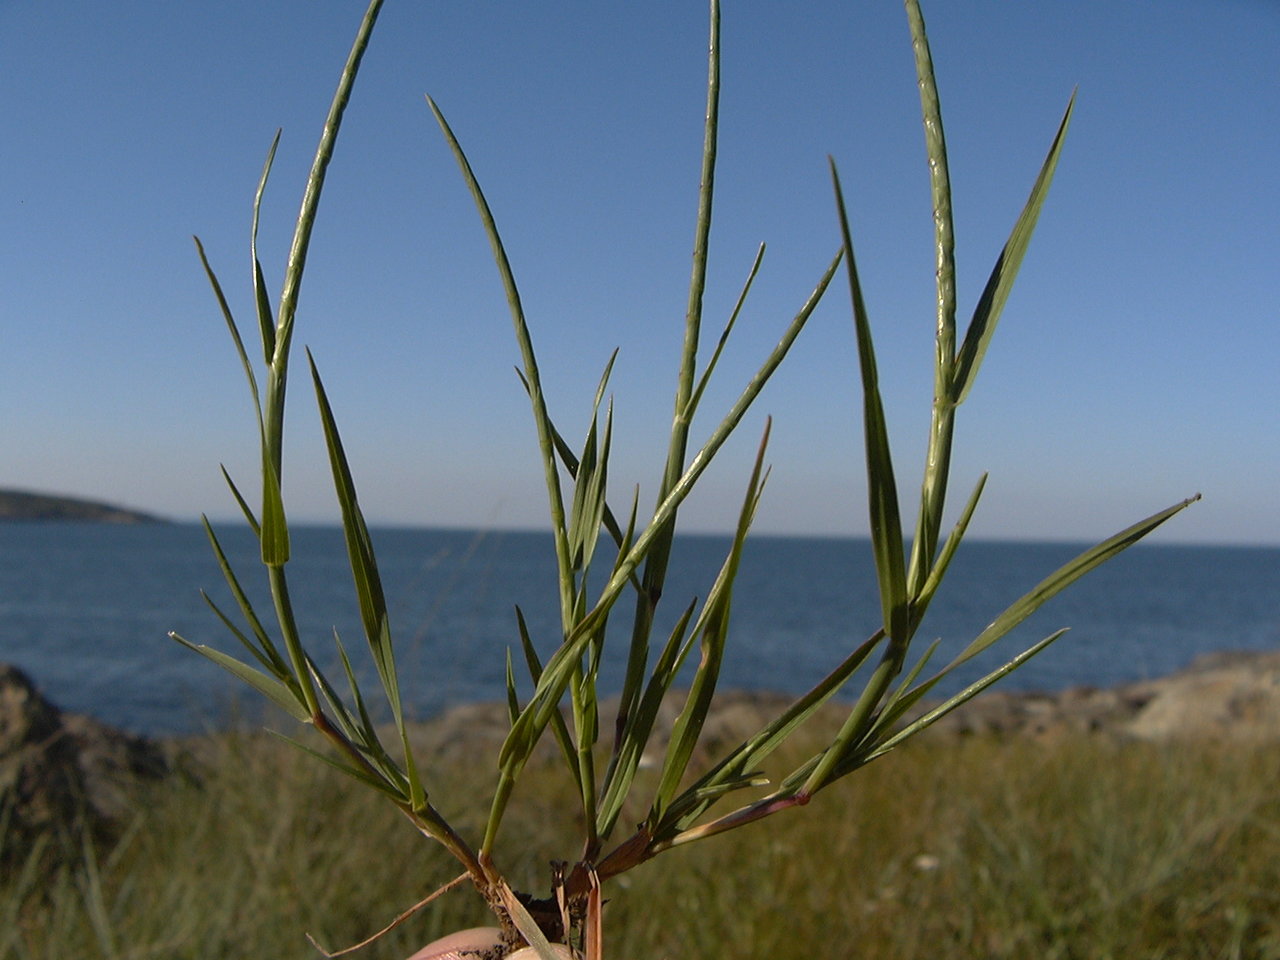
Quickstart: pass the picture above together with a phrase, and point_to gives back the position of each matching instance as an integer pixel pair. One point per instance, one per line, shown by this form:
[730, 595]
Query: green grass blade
[697, 287]
[713, 628]
[701, 243]
[996, 293]
[696, 397]
[1063, 577]
[968, 693]
[232, 329]
[356, 734]
[854, 729]
[903, 698]
[274, 533]
[338, 713]
[882, 492]
[245, 642]
[636, 725]
[687, 808]
[920, 602]
[311, 194]
[939, 185]
[274, 661]
[242, 503]
[586, 513]
[570, 461]
[559, 727]
[933, 489]
[658, 554]
[274, 690]
[266, 318]
[364, 568]
[369, 735]
[368, 583]
[513, 701]
[349, 769]
[530, 374]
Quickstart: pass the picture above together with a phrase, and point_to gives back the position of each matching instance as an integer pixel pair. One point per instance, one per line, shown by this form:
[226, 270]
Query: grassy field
[1080, 848]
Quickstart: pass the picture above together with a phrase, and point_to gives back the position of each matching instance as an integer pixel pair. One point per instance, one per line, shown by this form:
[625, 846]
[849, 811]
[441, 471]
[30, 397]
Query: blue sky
[1134, 366]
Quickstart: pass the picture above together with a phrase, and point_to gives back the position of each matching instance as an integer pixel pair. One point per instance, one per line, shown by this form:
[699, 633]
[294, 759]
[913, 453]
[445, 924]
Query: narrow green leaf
[311, 194]
[368, 583]
[658, 549]
[243, 504]
[369, 734]
[570, 461]
[248, 644]
[275, 691]
[687, 808]
[513, 702]
[717, 790]
[696, 398]
[965, 695]
[232, 329]
[713, 628]
[364, 569]
[274, 660]
[596, 491]
[558, 726]
[920, 602]
[266, 318]
[359, 732]
[933, 488]
[996, 293]
[530, 375]
[349, 769]
[590, 481]
[338, 713]
[882, 492]
[274, 534]
[939, 184]
[1063, 577]
[636, 725]
[860, 720]
[903, 698]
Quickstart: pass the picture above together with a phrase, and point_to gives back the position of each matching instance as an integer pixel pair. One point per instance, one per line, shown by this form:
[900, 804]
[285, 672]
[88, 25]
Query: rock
[1233, 694]
[41, 786]
[111, 761]
[1217, 696]
[1222, 694]
[61, 774]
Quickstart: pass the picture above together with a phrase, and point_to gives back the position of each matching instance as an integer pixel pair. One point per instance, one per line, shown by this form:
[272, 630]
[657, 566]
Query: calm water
[85, 609]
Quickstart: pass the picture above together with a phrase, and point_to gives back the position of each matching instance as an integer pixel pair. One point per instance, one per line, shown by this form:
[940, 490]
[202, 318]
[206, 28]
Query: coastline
[19, 506]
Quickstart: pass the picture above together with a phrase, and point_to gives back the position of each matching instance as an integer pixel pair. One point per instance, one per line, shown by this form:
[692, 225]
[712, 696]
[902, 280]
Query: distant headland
[23, 505]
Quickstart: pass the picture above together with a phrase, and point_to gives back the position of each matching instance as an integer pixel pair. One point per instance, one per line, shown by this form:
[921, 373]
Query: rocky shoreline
[60, 771]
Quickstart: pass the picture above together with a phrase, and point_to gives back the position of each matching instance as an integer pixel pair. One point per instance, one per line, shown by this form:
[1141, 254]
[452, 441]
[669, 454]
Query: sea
[86, 611]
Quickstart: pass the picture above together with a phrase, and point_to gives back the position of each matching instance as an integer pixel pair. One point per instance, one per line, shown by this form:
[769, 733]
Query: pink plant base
[477, 943]
[480, 943]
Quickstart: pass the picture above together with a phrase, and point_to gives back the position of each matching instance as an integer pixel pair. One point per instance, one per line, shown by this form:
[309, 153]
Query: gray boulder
[1221, 695]
[62, 774]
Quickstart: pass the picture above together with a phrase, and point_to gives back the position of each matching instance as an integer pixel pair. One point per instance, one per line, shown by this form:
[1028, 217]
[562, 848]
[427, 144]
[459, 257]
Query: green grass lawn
[1077, 847]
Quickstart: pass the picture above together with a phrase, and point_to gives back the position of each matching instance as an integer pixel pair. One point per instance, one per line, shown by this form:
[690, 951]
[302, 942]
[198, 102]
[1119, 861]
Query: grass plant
[684, 802]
